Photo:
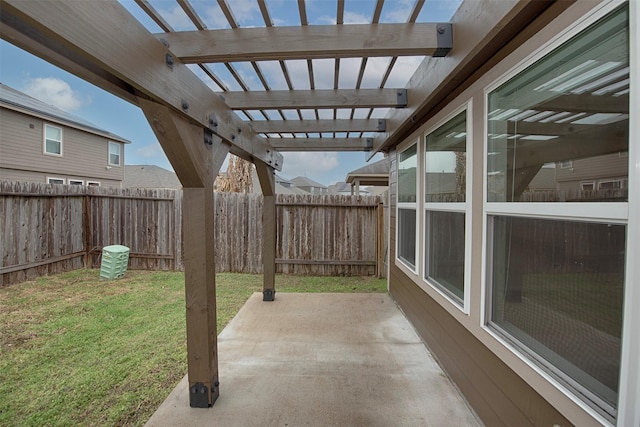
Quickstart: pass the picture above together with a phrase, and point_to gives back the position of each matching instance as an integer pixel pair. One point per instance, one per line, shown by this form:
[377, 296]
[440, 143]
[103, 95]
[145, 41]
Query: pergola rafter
[309, 42]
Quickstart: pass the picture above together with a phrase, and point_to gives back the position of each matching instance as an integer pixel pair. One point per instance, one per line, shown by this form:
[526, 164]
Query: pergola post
[200, 294]
[197, 169]
[267, 183]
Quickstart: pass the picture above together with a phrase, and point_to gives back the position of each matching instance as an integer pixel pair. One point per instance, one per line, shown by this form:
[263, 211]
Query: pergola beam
[310, 42]
[319, 98]
[322, 144]
[318, 126]
[135, 65]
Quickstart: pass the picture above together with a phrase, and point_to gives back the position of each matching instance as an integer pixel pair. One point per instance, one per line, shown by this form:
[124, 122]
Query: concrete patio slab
[322, 360]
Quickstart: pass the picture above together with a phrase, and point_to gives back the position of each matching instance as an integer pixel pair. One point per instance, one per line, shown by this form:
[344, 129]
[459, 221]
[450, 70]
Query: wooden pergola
[101, 42]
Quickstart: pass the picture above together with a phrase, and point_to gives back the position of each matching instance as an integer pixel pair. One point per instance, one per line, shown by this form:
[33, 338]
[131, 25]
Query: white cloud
[245, 12]
[356, 18]
[178, 20]
[397, 12]
[56, 92]
[308, 164]
[149, 151]
[214, 18]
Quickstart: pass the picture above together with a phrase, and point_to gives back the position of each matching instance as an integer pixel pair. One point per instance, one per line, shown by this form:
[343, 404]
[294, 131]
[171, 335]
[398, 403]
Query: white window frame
[93, 183]
[44, 140]
[588, 183]
[72, 181]
[566, 164]
[622, 181]
[460, 207]
[629, 387]
[114, 144]
[56, 178]
[615, 212]
[414, 270]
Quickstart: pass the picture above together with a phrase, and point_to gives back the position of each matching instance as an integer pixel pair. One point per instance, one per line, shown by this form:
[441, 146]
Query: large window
[52, 140]
[556, 266]
[445, 194]
[407, 194]
[564, 121]
[114, 153]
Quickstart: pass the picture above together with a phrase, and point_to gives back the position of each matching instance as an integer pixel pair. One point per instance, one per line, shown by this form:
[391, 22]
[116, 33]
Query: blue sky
[29, 74]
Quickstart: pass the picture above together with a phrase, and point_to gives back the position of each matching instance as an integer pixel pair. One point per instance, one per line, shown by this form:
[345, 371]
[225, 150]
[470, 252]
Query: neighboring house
[286, 186]
[283, 185]
[595, 174]
[149, 176]
[344, 189]
[374, 174]
[309, 185]
[41, 143]
[593, 178]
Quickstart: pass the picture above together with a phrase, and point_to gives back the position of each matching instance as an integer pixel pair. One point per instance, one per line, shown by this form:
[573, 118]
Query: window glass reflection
[558, 131]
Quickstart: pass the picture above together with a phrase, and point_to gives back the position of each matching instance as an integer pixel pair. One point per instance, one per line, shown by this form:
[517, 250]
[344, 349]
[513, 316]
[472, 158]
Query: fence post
[86, 230]
[380, 242]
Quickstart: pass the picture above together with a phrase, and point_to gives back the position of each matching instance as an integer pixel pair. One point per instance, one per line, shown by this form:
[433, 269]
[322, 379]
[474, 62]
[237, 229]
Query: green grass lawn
[75, 350]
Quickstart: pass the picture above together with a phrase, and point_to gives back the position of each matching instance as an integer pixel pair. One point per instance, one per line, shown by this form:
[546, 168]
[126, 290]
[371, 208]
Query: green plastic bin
[114, 262]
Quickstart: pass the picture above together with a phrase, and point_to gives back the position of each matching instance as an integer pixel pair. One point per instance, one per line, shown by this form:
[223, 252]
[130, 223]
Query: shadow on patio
[319, 360]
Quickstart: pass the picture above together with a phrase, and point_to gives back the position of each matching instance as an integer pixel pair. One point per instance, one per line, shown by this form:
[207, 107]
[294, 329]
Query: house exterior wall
[597, 170]
[84, 155]
[500, 383]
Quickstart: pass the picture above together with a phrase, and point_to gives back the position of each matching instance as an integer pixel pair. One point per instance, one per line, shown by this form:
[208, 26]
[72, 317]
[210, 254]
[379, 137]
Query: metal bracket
[168, 59]
[208, 138]
[269, 295]
[369, 146]
[382, 125]
[445, 40]
[402, 98]
[213, 122]
[199, 396]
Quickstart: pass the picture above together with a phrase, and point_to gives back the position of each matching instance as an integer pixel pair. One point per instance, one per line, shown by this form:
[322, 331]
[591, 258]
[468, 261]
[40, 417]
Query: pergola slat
[321, 144]
[153, 14]
[319, 98]
[192, 14]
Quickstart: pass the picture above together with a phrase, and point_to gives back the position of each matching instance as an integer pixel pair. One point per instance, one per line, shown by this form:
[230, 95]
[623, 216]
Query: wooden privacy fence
[48, 229]
[315, 234]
